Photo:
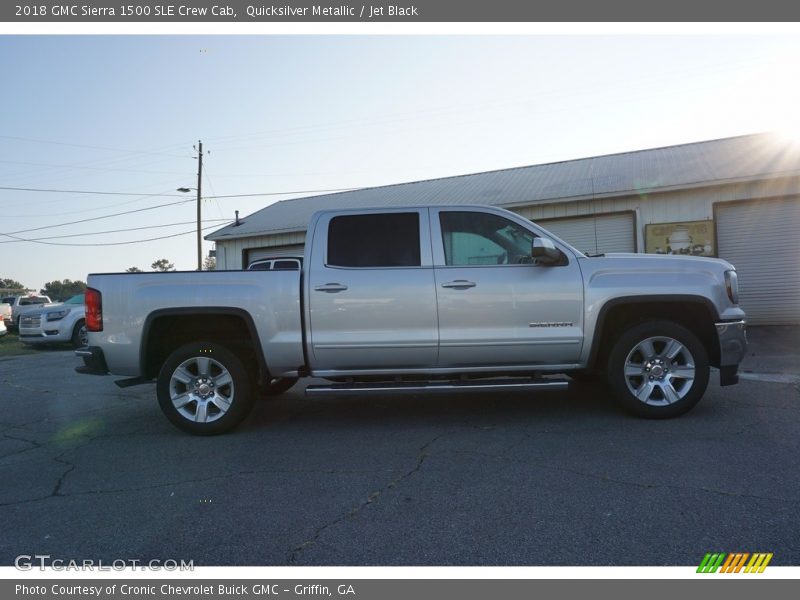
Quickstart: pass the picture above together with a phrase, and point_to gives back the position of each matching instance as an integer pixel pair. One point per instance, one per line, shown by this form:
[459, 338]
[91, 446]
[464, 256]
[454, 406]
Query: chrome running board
[437, 387]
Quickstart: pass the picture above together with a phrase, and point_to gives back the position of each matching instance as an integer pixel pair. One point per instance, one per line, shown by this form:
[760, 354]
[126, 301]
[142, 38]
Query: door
[596, 234]
[371, 293]
[496, 307]
[760, 239]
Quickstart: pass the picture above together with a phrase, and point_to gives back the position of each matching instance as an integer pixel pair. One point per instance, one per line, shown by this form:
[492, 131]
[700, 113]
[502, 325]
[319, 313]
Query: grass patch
[11, 346]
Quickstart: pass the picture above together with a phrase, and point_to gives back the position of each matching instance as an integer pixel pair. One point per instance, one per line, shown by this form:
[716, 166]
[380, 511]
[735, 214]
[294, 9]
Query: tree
[58, 291]
[162, 265]
[133, 270]
[210, 263]
[11, 285]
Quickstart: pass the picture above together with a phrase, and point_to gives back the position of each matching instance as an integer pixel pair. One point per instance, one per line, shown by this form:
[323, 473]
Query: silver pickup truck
[428, 299]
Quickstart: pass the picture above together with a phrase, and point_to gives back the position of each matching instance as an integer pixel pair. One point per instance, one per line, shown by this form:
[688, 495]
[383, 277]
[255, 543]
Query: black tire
[667, 370]
[214, 401]
[79, 335]
[278, 386]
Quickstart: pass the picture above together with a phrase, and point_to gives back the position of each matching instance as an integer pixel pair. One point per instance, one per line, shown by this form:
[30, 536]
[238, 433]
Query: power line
[213, 191]
[87, 168]
[349, 189]
[163, 237]
[19, 189]
[24, 139]
[76, 212]
[72, 235]
[128, 160]
[16, 189]
[127, 212]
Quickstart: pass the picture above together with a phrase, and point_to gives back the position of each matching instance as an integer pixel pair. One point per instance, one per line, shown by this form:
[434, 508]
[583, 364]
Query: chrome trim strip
[423, 372]
[372, 346]
[732, 342]
[509, 343]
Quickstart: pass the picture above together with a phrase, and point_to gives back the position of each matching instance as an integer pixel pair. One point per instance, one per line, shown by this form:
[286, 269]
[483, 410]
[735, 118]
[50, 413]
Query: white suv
[56, 323]
[22, 304]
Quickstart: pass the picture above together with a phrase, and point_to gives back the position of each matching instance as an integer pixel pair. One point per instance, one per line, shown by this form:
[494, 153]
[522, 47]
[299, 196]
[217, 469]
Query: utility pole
[199, 227]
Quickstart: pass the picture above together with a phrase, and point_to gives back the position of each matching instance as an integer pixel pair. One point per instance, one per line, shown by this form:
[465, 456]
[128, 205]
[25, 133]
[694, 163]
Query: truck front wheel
[658, 369]
[203, 388]
[80, 338]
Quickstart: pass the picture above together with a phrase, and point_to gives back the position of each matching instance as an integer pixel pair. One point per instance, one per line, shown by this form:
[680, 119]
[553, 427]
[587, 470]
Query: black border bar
[396, 11]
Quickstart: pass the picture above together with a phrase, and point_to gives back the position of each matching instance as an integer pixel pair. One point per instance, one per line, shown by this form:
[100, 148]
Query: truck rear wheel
[203, 388]
[658, 369]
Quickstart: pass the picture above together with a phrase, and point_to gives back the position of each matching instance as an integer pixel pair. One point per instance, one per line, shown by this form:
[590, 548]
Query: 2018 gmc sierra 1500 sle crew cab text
[431, 299]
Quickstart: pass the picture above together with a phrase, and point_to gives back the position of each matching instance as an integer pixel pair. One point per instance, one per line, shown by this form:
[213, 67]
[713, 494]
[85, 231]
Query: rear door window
[374, 240]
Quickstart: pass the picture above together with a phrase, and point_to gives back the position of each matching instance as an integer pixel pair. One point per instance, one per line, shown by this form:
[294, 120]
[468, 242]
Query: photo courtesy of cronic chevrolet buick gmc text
[420, 299]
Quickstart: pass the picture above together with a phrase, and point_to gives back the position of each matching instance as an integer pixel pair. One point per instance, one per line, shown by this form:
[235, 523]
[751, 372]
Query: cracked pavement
[91, 471]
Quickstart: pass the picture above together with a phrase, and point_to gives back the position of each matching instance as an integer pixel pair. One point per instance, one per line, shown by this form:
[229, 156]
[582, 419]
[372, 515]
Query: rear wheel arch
[166, 330]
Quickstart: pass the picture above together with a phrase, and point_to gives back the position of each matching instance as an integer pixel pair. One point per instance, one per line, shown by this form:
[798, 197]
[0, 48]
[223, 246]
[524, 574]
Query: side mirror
[544, 251]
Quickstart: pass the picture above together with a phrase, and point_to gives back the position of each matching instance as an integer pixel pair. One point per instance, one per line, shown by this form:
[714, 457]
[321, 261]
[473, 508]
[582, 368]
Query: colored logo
[735, 563]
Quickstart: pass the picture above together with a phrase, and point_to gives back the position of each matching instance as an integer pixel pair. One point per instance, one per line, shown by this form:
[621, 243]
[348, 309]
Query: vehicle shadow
[581, 400]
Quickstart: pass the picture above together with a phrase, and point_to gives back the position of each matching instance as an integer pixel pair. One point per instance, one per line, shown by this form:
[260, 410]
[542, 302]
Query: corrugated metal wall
[778, 227]
[596, 234]
[229, 252]
[257, 253]
[762, 240]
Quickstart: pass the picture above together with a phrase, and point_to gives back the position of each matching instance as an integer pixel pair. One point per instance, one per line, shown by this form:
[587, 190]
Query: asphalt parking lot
[92, 471]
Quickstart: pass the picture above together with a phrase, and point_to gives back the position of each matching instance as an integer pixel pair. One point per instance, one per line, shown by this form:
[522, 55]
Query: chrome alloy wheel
[201, 389]
[659, 371]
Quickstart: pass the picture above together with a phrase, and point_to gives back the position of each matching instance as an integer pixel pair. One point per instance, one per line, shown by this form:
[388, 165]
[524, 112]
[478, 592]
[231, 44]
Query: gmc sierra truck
[450, 299]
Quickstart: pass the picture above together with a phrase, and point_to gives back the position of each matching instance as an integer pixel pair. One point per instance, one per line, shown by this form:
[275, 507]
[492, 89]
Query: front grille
[30, 321]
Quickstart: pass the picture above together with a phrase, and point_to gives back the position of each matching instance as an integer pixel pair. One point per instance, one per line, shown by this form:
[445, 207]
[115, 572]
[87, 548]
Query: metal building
[736, 198]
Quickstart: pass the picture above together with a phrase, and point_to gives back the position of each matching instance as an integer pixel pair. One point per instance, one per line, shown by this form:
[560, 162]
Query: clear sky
[295, 113]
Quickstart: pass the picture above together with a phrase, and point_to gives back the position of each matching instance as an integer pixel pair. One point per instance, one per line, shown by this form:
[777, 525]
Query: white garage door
[762, 240]
[596, 234]
[256, 253]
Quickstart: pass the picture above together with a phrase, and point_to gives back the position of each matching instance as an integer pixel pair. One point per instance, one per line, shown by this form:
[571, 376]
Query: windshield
[75, 300]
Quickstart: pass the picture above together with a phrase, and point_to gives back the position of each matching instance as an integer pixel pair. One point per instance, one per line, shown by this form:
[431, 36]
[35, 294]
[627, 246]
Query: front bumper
[40, 337]
[732, 337]
[36, 329]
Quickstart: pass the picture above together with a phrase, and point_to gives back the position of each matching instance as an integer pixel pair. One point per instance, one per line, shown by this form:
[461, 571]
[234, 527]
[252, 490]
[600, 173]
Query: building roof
[747, 157]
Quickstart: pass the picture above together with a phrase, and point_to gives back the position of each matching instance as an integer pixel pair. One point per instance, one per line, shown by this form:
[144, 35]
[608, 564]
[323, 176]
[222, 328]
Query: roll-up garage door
[596, 234]
[256, 253]
[762, 240]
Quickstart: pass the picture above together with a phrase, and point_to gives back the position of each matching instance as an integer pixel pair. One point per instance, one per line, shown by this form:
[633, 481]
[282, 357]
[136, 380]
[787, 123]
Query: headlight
[732, 286]
[57, 315]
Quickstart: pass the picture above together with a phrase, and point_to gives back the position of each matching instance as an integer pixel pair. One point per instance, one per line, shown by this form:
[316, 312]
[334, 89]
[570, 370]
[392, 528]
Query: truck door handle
[331, 288]
[459, 284]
